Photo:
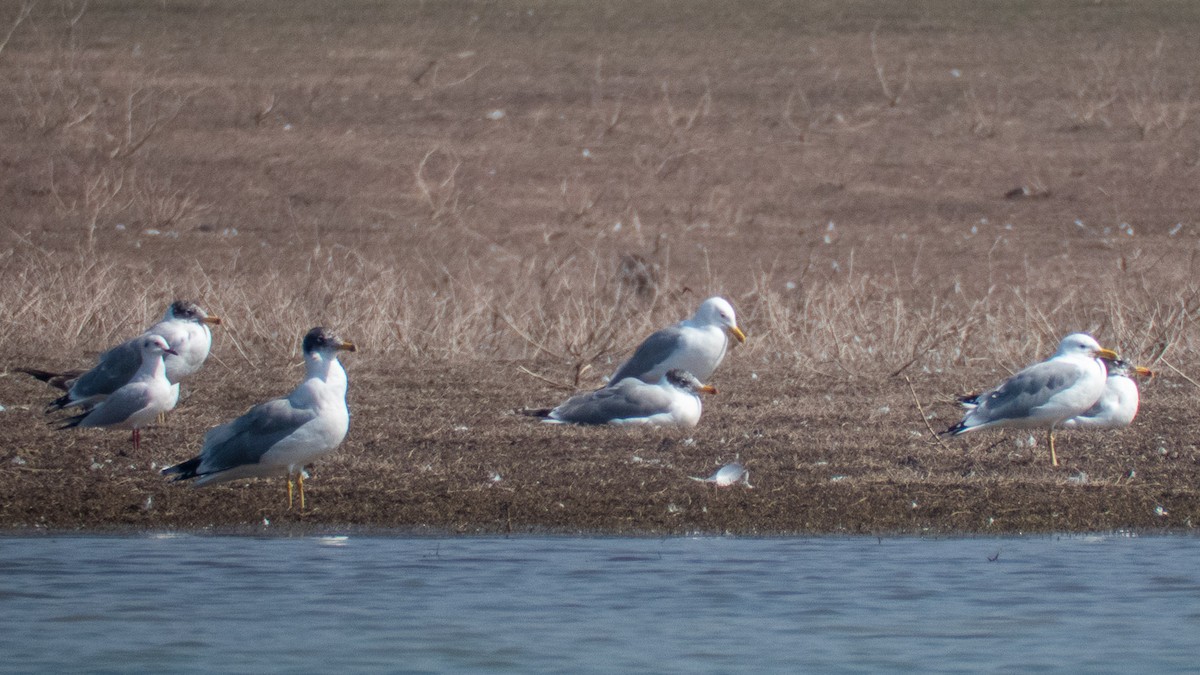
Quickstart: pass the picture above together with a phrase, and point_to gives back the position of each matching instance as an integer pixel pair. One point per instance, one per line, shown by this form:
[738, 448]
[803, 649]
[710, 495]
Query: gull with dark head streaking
[140, 400]
[1118, 405]
[673, 400]
[184, 326]
[283, 435]
[1044, 394]
[695, 345]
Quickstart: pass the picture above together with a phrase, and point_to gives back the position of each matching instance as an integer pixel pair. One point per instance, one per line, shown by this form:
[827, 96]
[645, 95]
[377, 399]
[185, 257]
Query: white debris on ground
[727, 475]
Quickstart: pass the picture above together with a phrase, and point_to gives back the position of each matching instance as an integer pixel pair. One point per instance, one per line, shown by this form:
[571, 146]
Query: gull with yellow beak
[285, 434]
[1118, 405]
[1044, 394]
[672, 401]
[695, 345]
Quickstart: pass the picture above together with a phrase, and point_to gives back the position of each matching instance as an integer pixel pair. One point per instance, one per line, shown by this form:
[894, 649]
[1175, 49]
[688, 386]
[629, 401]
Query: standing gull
[672, 401]
[184, 326]
[1044, 394]
[695, 345]
[1118, 405]
[140, 400]
[282, 435]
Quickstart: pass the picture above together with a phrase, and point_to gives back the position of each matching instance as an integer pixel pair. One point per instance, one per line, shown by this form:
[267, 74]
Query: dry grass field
[905, 201]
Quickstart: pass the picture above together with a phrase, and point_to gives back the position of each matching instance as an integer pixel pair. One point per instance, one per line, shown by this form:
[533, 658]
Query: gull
[282, 435]
[695, 345]
[184, 326]
[140, 400]
[673, 400]
[727, 475]
[1118, 405]
[1044, 394]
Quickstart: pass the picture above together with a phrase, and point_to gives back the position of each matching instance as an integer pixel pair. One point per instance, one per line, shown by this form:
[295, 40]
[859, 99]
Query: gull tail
[185, 470]
[970, 401]
[62, 380]
[59, 403]
[960, 428]
[69, 422]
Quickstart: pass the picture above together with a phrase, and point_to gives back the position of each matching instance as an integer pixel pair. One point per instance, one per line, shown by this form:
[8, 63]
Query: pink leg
[137, 439]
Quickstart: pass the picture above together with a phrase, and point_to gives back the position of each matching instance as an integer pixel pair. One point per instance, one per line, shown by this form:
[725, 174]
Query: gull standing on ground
[1118, 405]
[282, 435]
[184, 326]
[672, 401]
[1044, 394]
[695, 345]
[139, 401]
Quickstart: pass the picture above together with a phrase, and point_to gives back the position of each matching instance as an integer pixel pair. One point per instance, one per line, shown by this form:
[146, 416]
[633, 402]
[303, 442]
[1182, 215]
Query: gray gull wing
[630, 398]
[1026, 391]
[246, 439]
[653, 351]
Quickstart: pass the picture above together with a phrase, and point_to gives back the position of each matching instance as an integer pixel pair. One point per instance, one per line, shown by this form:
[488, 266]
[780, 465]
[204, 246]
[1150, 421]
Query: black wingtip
[68, 422]
[184, 469]
[59, 380]
[43, 375]
[955, 430]
[59, 403]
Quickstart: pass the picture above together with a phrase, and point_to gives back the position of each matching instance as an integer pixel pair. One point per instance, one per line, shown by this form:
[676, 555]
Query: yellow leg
[289, 482]
[300, 482]
[1053, 456]
[162, 418]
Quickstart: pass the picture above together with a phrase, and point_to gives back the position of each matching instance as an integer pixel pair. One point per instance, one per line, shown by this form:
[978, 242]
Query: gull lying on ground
[695, 345]
[1118, 405]
[1044, 394]
[184, 326]
[283, 435]
[140, 400]
[673, 400]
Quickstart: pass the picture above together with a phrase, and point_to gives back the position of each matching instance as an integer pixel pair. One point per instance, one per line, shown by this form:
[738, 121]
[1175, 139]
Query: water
[543, 604]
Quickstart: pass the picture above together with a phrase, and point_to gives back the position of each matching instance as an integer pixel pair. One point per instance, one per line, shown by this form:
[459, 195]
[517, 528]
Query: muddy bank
[439, 448]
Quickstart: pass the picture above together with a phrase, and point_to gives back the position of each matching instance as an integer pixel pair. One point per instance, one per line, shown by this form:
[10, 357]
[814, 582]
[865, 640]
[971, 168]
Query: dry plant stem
[893, 98]
[542, 378]
[1179, 372]
[925, 419]
[135, 102]
[22, 14]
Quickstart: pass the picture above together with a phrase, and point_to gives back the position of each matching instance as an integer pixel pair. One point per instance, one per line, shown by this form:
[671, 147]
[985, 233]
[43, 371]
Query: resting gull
[673, 400]
[282, 435]
[695, 345]
[1044, 394]
[1118, 405]
[140, 400]
[184, 326]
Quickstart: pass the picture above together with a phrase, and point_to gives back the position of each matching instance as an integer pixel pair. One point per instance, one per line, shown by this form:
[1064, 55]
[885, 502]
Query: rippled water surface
[201, 603]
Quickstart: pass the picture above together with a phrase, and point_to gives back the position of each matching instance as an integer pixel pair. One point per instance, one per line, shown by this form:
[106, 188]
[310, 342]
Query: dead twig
[1179, 372]
[546, 380]
[925, 419]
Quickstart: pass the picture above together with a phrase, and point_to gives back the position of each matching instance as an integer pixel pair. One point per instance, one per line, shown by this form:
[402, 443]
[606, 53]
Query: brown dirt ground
[791, 130]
